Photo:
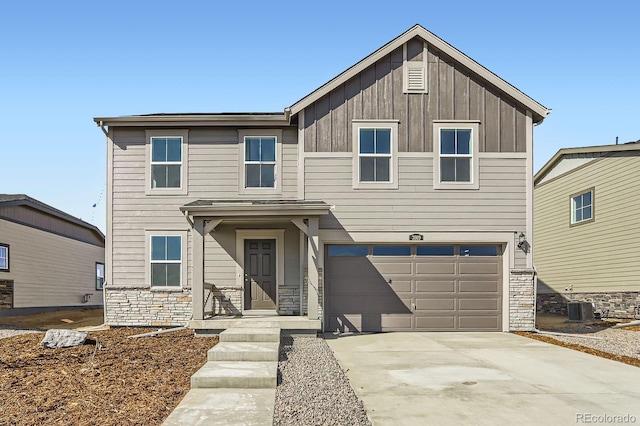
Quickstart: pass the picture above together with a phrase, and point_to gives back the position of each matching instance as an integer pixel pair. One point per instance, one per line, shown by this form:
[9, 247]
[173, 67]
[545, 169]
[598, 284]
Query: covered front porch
[255, 263]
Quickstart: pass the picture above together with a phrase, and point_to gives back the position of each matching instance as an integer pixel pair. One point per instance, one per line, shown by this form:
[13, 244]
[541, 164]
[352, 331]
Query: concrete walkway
[237, 384]
[484, 379]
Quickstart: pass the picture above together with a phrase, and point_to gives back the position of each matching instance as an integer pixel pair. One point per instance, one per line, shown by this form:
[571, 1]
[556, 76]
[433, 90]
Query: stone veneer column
[521, 300]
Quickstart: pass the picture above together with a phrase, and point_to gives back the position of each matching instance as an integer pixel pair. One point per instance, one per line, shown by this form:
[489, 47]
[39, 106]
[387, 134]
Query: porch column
[197, 288]
[313, 263]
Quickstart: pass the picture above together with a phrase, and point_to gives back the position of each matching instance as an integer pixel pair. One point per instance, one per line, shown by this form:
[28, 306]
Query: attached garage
[413, 288]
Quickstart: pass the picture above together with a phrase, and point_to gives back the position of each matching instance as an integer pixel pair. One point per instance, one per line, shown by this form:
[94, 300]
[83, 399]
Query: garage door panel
[435, 268]
[396, 322]
[435, 286]
[474, 268]
[395, 268]
[477, 323]
[439, 304]
[479, 304]
[372, 304]
[435, 323]
[479, 287]
[401, 286]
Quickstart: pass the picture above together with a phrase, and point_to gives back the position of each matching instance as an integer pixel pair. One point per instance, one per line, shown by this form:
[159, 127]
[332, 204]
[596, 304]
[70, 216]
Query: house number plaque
[416, 237]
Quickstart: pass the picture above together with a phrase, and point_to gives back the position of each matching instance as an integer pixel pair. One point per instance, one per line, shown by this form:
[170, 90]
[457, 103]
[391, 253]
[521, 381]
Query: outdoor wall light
[522, 243]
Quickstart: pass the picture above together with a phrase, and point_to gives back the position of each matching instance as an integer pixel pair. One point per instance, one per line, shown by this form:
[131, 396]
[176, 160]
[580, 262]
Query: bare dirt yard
[110, 380]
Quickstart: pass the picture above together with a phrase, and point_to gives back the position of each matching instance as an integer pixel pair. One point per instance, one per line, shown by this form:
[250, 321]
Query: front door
[259, 274]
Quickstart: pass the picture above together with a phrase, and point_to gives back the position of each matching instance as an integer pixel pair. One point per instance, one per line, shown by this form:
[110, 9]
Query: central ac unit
[580, 311]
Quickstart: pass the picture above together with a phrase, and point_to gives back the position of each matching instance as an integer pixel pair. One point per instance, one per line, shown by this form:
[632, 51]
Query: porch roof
[253, 208]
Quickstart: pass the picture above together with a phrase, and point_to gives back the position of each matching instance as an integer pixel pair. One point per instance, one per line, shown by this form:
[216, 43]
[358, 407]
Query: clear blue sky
[63, 63]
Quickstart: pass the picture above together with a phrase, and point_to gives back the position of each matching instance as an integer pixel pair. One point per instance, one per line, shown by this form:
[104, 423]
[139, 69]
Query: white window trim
[242, 172]
[103, 275]
[182, 133]
[183, 255]
[6, 257]
[572, 212]
[393, 162]
[475, 168]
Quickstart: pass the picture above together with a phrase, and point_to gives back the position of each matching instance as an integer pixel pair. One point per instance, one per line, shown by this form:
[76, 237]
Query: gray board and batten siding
[454, 93]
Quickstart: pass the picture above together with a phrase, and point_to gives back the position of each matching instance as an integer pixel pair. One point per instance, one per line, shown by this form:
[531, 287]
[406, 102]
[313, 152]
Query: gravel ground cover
[312, 387]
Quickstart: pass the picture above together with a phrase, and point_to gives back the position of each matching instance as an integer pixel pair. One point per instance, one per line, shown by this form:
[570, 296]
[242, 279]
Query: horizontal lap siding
[213, 173]
[499, 205]
[376, 94]
[48, 269]
[600, 256]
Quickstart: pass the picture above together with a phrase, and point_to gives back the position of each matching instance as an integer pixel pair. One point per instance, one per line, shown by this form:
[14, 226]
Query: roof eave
[539, 110]
[230, 210]
[195, 120]
[581, 150]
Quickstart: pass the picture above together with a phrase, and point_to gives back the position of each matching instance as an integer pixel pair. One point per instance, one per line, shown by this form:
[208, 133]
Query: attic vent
[414, 77]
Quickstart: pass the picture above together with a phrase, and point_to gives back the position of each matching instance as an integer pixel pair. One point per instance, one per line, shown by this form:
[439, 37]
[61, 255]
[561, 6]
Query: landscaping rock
[63, 338]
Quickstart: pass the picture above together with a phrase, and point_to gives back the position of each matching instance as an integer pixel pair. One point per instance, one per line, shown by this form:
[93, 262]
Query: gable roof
[602, 149]
[539, 111]
[25, 200]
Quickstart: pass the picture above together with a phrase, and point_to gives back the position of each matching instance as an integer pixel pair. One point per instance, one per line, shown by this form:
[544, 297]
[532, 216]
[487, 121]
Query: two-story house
[397, 196]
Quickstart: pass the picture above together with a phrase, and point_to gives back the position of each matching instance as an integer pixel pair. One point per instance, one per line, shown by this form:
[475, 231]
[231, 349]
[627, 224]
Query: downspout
[101, 125]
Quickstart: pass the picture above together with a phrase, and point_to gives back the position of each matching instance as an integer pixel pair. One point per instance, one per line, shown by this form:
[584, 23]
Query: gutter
[101, 125]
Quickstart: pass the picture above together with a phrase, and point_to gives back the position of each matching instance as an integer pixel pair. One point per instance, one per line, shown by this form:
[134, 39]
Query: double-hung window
[374, 150]
[4, 257]
[260, 161]
[166, 261]
[456, 164]
[167, 162]
[582, 207]
[375, 154]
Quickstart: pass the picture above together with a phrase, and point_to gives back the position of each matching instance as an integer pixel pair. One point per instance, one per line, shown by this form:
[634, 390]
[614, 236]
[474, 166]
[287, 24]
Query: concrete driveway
[484, 379]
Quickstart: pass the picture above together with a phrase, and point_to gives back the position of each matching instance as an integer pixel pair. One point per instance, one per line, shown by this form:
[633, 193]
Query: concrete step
[224, 407]
[250, 335]
[236, 374]
[244, 351]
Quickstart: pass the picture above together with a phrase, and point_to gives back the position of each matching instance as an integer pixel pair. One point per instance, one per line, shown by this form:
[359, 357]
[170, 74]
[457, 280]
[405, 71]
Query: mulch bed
[110, 380]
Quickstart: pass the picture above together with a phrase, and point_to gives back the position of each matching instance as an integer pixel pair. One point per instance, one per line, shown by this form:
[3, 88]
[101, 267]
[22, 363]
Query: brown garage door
[413, 287]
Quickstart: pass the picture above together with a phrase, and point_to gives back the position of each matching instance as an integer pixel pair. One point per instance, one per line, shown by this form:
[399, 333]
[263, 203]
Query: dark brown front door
[260, 274]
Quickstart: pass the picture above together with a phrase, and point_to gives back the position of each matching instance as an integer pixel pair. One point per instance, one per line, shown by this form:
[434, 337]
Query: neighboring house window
[456, 163]
[260, 161]
[4, 257]
[375, 154]
[582, 207]
[166, 261]
[99, 275]
[167, 162]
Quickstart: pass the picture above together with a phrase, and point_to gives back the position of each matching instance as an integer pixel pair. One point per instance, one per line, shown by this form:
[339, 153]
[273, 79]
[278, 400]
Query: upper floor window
[4, 257]
[582, 207]
[456, 164]
[99, 275]
[166, 162]
[260, 161]
[375, 154]
[166, 261]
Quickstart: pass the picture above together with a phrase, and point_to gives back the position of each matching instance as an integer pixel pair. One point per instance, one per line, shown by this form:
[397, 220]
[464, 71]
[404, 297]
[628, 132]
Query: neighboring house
[48, 258]
[586, 234]
[391, 198]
